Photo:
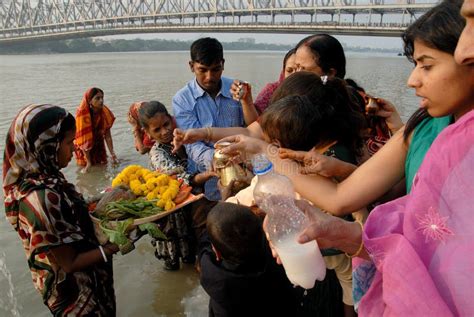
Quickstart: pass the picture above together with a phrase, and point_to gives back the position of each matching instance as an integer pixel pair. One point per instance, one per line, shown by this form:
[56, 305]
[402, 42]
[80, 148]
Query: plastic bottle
[274, 194]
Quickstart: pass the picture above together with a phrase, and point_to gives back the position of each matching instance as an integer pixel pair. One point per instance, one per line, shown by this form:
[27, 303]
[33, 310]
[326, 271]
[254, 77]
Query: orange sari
[90, 132]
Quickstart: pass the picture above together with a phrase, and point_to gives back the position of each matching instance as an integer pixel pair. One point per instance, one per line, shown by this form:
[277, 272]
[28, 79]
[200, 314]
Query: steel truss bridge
[29, 20]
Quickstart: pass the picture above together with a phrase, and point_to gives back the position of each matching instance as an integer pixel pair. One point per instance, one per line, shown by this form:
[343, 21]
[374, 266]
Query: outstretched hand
[242, 144]
[181, 137]
[314, 163]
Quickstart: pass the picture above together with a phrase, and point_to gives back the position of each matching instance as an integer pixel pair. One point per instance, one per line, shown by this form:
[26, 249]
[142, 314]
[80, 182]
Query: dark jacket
[258, 289]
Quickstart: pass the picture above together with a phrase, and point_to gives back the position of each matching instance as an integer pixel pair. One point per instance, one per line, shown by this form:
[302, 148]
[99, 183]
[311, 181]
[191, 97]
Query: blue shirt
[194, 108]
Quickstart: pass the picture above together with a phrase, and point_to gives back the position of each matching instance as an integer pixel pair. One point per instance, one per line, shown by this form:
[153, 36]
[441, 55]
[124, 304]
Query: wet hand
[86, 168]
[388, 111]
[324, 228]
[313, 162]
[114, 158]
[203, 177]
[242, 144]
[181, 137]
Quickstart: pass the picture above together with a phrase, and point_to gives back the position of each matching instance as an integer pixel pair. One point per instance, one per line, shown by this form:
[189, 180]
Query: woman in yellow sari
[93, 123]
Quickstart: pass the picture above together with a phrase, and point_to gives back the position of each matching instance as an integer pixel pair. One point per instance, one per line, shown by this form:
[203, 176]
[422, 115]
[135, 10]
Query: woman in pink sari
[421, 244]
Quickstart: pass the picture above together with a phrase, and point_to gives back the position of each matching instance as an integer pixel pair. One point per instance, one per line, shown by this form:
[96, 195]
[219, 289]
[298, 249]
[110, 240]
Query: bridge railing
[21, 18]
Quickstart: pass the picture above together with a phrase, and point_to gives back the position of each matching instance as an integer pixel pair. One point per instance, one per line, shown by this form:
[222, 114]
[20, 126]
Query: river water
[143, 287]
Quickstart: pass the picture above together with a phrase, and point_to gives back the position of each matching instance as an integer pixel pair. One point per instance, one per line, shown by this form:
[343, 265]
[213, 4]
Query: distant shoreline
[88, 45]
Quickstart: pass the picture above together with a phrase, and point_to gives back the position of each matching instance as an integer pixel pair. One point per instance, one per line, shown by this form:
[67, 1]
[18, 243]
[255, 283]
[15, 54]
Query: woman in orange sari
[93, 123]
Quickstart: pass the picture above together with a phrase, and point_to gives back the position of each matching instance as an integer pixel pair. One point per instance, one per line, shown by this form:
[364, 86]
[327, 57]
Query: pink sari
[423, 244]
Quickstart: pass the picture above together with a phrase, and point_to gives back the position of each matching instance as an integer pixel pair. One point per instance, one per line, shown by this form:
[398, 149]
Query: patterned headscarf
[135, 122]
[30, 160]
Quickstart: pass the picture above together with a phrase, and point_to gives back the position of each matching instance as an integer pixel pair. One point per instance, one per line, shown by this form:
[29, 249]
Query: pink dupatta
[423, 244]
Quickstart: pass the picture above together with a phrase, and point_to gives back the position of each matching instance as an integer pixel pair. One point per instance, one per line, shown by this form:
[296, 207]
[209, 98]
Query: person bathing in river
[93, 123]
[69, 267]
[180, 243]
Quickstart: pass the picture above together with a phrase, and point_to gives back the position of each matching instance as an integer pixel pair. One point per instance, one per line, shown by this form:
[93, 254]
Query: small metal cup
[371, 107]
[243, 85]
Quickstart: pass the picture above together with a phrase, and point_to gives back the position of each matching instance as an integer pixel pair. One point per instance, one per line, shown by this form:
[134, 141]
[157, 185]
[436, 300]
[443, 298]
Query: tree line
[87, 45]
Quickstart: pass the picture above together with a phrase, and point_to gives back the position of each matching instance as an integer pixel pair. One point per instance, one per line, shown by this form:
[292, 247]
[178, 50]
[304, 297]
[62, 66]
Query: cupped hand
[323, 228]
[314, 162]
[242, 144]
[203, 177]
[388, 111]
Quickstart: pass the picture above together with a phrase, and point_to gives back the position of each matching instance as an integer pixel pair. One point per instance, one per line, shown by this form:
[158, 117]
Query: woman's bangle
[103, 253]
[361, 247]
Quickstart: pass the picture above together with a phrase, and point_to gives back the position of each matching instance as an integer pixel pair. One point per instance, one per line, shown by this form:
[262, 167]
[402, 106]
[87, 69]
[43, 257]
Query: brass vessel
[226, 170]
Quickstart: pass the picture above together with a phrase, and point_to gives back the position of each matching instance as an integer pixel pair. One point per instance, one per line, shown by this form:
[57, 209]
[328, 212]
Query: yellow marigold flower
[117, 181]
[161, 203]
[163, 179]
[151, 184]
[148, 176]
[174, 182]
[125, 179]
[151, 196]
[135, 186]
[143, 187]
[163, 189]
[167, 195]
[169, 205]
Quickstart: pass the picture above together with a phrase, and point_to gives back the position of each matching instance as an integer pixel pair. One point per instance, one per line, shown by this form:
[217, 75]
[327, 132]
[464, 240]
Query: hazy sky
[291, 39]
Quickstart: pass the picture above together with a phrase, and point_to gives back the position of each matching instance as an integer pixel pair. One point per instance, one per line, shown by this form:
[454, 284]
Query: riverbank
[91, 45]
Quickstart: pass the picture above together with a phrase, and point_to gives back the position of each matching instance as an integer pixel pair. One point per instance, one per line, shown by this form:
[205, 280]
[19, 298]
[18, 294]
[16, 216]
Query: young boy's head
[289, 123]
[236, 233]
[156, 121]
[308, 111]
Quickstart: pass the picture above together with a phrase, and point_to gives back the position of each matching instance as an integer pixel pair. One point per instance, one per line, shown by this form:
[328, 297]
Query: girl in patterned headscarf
[68, 266]
[93, 123]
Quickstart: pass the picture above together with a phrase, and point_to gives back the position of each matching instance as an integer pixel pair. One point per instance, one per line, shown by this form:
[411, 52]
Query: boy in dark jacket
[237, 269]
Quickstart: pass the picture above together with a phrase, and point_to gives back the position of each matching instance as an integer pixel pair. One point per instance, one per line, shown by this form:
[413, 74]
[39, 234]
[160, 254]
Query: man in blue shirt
[206, 101]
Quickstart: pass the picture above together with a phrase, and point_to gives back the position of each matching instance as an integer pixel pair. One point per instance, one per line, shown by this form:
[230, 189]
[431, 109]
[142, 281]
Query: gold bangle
[208, 134]
[361, 247]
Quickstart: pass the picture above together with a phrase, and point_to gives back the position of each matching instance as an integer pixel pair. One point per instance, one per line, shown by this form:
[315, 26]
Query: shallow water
[143, 287]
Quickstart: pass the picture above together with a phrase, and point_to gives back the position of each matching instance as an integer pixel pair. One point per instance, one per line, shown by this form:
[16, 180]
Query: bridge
[29, 20]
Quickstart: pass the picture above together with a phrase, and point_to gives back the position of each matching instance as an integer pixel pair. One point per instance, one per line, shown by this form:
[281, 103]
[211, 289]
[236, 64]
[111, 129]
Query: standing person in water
[69, 267]
[93, 123]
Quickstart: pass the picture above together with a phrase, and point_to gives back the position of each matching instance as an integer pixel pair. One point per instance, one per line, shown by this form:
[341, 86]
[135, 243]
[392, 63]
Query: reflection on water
[8, 302]
[143, 287]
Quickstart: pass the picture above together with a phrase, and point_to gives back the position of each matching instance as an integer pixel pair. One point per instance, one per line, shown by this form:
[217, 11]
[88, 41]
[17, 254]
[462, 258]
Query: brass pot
[226, 170]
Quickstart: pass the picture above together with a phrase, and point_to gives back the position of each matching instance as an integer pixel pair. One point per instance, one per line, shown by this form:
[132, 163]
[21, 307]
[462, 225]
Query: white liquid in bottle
[303, 263]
